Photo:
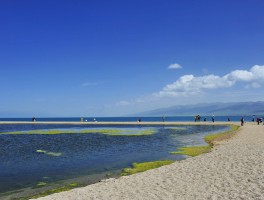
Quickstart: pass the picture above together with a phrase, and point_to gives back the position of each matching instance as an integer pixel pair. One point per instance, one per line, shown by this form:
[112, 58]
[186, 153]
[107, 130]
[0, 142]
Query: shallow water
[27, 159]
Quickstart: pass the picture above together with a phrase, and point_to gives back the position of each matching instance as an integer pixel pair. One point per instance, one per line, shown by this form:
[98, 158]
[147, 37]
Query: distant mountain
[232, 109]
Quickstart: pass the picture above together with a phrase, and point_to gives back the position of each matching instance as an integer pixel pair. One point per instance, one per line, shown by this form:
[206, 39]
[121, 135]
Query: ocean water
[29, 156]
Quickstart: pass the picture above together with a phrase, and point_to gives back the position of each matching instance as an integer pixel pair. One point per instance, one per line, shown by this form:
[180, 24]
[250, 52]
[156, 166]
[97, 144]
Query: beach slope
[233, 170]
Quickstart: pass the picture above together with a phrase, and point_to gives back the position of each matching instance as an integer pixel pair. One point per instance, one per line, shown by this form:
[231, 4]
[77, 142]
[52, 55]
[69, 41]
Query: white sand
[233, 170]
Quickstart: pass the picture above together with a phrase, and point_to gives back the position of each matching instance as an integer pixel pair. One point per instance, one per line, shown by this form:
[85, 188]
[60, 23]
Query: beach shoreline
[232, 170]
[123, 123]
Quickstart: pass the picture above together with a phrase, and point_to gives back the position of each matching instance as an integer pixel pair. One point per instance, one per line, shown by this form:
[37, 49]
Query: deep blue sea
[29, 156]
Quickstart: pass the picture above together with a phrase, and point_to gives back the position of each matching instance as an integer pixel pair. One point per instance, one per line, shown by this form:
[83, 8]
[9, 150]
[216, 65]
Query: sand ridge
[233, 170]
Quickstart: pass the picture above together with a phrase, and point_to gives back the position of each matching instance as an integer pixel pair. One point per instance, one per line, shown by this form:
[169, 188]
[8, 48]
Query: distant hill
[220, 109]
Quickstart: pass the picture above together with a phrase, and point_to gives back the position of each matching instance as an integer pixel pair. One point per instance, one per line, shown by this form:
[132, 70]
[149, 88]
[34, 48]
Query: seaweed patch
[141, 167]
[112, 132]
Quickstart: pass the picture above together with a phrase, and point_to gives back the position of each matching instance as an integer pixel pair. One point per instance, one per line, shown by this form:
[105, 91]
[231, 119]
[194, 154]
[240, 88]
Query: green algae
[176, 128]
[73, 184]
[193, 151]
[210, 140]
[112, 132]
[49, 153]
[41, 184]
[40, 151]
[141, 167]
[52, 191]
[121, 132]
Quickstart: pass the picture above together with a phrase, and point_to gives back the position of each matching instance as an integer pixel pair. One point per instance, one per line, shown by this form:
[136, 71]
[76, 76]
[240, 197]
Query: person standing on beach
[242, 121]
[213, 119]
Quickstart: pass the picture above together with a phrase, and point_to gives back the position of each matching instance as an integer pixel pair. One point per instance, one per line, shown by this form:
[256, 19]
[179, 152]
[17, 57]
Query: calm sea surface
[30, 157]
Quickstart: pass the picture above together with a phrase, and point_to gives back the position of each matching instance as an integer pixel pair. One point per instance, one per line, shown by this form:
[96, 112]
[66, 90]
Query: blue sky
[114, 58]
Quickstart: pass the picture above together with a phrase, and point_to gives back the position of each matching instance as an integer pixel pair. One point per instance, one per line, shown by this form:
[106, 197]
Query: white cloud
[174, 66]
[190, 85]
[189, 88]
[240, 75]
[258, 72]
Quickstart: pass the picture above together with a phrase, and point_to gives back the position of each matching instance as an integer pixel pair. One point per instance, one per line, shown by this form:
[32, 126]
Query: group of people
[197, 118]
[85, 120]
[258, 120]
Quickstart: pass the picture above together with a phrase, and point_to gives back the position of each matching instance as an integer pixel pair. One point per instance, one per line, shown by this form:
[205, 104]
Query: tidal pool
[34, 156]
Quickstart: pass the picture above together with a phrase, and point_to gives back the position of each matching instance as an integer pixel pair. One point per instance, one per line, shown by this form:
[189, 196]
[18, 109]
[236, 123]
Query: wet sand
[233, 170]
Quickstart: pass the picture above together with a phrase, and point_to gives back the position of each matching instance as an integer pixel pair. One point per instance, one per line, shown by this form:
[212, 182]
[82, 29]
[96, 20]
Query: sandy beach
[118, 123]
[233, 170]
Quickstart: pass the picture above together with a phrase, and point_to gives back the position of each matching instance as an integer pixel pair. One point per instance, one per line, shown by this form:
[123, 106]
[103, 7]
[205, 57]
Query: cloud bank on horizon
[191, 85]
